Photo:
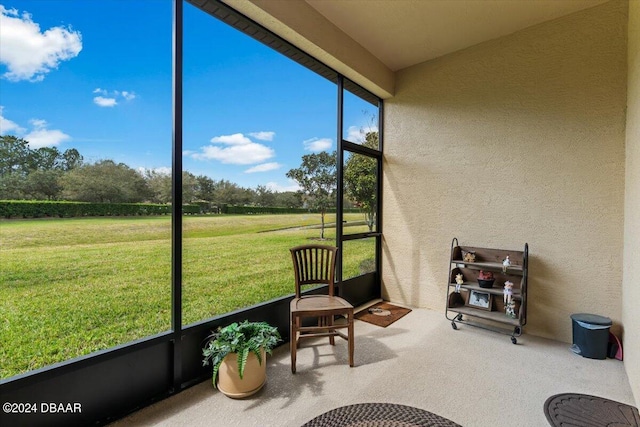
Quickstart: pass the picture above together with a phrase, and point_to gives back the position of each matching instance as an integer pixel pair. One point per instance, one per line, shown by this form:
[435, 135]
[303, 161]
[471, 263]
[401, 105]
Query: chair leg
[293, 342]
[332, 339]
[351, 340]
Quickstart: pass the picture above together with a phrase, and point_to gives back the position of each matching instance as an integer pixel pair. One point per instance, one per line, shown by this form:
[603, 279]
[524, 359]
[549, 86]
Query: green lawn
[69, 287]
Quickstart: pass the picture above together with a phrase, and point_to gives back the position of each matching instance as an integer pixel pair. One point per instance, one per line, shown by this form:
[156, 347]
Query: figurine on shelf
[459, 281]
[506, 263]
[510, 309]
[469, 257]
[508, 292]
[509, 303]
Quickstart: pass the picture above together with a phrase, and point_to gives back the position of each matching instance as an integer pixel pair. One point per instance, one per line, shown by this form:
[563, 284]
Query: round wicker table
[379, 415]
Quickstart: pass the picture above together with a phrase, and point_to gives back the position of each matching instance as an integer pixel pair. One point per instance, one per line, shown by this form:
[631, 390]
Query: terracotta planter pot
[255, 375]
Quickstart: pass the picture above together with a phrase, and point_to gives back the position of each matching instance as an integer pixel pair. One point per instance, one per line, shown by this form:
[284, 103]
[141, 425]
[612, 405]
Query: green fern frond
[243, 355]
[216, 367]
[257, 351]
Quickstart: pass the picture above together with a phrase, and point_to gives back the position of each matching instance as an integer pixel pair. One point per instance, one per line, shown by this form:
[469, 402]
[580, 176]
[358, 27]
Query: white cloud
[38, 123]
[316, 145]
[263, 136]
[274, 186]
[40, 136]
[110, 98]
[264, 167]
[237, 149]
[235, 139]
[356, 134]
[30, 54]
[105, 102]
[163, 170]
[246, 154]
[128, 95]
[7, 126]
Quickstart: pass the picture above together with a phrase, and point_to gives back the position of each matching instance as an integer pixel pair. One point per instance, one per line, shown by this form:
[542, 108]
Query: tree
[45, 159]
[206, 188]
[14, 155]
[105, 182]
[17, 157]
[317, 178]
[43, 184]
[189, 187]
[159, 184]
[33, 174]
[71, 159]
[12, 186]
[229, 193]
[263, 196]
[288, 199]
[360, 180]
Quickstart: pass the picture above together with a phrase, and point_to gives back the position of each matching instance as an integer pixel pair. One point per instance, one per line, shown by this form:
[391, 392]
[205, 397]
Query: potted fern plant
[238, 355]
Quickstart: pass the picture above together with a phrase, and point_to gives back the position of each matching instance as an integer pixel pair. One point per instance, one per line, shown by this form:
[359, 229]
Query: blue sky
[96, 76]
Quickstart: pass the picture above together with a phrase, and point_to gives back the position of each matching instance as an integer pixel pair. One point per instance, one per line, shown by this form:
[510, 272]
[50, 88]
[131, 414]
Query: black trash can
[590, 335]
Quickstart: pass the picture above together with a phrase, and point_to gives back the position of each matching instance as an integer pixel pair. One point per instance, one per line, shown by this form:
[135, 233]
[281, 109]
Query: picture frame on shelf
[479, 299]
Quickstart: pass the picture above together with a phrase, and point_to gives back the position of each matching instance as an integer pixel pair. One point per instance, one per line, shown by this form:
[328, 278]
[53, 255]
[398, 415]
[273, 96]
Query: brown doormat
[572, 409]
[379, 415]
[382, 314]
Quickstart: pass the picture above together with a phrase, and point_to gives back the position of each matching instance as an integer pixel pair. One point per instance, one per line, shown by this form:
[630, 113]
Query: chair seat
[324, 304]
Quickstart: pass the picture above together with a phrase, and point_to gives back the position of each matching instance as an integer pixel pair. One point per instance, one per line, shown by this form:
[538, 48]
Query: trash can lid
[593, 319]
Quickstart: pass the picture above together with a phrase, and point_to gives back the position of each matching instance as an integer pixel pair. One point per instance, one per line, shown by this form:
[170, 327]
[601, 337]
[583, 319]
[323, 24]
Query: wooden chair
[316, 264]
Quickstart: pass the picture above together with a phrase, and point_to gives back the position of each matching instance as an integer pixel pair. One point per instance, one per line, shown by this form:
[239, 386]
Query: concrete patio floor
[471, 376]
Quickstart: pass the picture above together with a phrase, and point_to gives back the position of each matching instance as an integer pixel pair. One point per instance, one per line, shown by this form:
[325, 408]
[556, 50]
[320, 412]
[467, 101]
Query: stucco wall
[519, 139]
[631, 278]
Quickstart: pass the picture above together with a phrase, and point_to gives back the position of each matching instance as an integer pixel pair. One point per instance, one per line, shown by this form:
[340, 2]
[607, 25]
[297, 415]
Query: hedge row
[40, 209]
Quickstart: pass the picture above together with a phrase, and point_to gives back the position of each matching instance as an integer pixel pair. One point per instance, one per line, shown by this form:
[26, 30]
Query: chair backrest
[314, 264]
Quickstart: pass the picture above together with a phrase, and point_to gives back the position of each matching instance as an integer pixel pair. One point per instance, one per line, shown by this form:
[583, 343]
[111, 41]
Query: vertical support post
[176, 196]
[379, 196]
[339, 183]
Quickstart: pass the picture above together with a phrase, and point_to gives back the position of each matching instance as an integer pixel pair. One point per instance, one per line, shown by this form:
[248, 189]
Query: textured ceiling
[401, 33]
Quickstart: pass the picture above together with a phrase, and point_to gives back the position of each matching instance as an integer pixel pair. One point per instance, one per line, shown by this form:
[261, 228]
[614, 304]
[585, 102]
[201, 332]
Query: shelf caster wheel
[517, 330]
[453, 325]
[514, 340]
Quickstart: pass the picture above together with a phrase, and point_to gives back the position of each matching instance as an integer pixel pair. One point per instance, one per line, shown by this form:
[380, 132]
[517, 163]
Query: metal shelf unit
[492, 315]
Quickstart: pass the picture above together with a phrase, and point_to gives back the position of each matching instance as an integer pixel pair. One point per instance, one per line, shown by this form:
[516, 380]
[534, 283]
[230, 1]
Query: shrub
[41, 209]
